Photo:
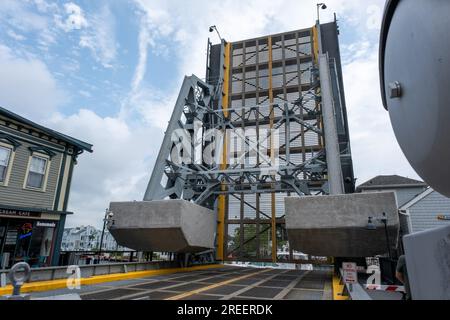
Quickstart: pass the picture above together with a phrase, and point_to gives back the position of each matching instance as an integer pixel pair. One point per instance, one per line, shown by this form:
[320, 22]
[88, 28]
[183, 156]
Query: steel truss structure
[274, 87]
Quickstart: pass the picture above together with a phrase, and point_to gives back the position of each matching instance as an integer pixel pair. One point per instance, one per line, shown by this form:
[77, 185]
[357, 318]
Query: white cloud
[85, 93]
[74, 20]
[238, 20]
[150, 105]
[96, 31]
[27, 86]
[45, 7]
[153, 104]
[99, 38]
[119, 168]
[374, 147]
[19, 16]
[15, 36]
[141, 68]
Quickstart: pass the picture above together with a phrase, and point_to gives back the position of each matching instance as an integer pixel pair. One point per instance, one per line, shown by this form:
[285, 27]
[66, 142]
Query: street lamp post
[322, 6]
[108, 215]
[371, 226]
[384, 221]
[212, 28]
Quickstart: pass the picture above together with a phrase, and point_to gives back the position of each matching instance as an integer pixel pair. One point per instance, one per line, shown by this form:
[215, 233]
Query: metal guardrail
[85, 257]
[58, 273]
[18, 275]
[353, 291]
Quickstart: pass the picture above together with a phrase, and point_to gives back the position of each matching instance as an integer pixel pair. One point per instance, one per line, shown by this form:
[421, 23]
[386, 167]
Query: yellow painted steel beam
[42, 286]
[226, 79]
[222, 205]
[315, 34]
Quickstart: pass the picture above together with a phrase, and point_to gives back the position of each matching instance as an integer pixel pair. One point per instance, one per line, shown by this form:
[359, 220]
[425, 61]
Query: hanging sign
[18, 213]
[46, 224]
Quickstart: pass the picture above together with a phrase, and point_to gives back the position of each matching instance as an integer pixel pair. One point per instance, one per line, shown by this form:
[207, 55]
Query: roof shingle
[390, 181]
[70, 140]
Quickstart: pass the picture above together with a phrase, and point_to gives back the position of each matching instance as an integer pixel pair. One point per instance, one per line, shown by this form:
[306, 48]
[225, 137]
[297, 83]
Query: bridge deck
[224, 283]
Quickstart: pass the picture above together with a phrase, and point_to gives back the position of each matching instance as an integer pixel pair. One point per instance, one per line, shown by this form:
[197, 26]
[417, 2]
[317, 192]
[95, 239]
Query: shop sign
[444, 218]
[46, 224]
[27, 230]
[18, 213]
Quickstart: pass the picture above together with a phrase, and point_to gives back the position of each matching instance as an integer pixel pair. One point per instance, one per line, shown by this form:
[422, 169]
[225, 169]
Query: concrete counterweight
[336, 226]
[163, 226]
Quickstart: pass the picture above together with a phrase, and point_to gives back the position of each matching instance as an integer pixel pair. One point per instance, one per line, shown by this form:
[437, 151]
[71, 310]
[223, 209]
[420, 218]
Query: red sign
[27, 228]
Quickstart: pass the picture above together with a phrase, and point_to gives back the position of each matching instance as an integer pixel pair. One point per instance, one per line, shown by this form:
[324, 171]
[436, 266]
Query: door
[9, 243]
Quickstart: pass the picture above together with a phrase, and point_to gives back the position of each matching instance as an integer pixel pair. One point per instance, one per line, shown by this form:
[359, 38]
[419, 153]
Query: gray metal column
[157, 189]
[335, 177]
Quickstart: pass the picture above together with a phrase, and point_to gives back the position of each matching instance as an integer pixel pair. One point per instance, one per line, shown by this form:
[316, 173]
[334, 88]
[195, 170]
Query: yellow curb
[338, 288]
[62, 284]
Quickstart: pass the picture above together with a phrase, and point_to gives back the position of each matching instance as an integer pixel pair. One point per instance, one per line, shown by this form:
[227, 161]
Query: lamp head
[324, 6]
[211, 29]
[370, 225]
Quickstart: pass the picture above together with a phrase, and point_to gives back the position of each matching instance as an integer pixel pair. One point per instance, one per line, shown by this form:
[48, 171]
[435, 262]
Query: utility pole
[103, 234]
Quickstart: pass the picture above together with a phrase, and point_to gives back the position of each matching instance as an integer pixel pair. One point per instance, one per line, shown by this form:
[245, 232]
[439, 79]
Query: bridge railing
[63, 272]
[354, 291]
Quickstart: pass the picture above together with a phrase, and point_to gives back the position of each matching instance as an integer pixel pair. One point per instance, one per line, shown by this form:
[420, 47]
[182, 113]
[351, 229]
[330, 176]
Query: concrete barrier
[337, 226]
[87, 271]
[163, 226]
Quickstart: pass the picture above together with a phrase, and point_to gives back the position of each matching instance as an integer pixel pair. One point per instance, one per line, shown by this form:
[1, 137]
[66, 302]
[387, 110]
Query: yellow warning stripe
[214, 286]
[338, 289]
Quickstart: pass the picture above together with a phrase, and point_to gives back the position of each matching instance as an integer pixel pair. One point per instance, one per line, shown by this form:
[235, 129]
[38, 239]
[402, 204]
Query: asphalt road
[225, 283]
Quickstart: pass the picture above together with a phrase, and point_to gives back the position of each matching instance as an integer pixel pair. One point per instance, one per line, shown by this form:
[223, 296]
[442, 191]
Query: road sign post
[350, 274]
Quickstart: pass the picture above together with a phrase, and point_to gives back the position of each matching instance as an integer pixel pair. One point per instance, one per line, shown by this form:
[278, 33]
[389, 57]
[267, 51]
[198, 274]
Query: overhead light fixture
[322, 6]
[212, 28]
[370, 225]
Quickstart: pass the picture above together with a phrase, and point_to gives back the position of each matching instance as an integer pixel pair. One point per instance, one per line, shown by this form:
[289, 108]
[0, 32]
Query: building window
[37, 172]
[5, 156]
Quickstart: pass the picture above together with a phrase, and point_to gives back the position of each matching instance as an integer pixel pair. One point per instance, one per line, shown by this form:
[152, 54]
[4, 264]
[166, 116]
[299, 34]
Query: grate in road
[259, 292]
[187, 287]
[275, 284]
[304, 295]
[156, 285]
[108, 295]
[224, 290]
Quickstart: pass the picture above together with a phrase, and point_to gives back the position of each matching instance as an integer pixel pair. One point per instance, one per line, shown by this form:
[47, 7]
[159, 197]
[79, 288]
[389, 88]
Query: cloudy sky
[108, 72]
